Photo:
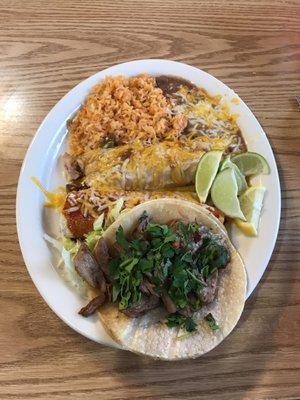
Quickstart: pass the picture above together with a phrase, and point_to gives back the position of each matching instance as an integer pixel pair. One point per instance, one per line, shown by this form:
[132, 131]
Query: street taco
[165, 279]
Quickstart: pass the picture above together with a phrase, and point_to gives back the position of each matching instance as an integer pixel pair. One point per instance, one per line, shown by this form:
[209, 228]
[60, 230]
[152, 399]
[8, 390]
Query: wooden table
[48, 47]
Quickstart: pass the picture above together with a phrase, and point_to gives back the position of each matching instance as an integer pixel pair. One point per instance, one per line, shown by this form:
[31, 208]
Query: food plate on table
[122, 146]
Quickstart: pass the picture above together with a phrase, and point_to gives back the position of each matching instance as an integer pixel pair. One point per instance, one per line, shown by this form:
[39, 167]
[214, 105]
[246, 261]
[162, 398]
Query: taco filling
[173, 265]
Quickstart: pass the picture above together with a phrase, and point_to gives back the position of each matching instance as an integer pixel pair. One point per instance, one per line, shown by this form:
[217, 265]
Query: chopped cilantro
[144, 216]
[140, 246]
[166, 257]
[120, 238]
[181, 321]
[211, 322]
[212, 256]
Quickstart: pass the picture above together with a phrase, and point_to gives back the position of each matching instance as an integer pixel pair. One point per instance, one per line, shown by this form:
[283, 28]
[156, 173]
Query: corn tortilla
[149, 335]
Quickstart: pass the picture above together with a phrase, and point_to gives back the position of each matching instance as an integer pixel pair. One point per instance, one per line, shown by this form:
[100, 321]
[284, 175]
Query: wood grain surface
[47, 47]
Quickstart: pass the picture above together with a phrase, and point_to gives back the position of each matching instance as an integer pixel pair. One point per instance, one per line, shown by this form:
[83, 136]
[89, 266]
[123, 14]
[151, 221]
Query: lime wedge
[206, 172]
[224, 194]
[251, 163]
[251, 203]
[240, 179]
[226, 163]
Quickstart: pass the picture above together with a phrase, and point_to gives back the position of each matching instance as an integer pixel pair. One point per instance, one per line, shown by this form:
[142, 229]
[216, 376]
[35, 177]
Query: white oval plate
[42, 160]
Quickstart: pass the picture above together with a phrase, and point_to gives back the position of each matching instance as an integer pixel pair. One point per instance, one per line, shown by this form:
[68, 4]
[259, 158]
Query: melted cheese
[208, 116]
[134, 167]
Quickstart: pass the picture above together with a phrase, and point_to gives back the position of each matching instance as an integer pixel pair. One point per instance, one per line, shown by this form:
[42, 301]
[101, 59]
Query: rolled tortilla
[148, 334]
[138, 167]
[75, 225]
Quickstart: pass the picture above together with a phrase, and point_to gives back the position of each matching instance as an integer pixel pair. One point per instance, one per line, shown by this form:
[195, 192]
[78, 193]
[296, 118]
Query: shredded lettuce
[67, 249]
[115, 211]
[92, 238]
[67, 243]
[64, 245]
[70, 274]
[67, 259]
[54, 242]
[72, 246]
[98, 223]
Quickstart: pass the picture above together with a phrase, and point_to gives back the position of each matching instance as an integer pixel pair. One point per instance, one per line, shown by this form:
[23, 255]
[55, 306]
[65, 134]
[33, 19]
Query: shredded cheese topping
[102, 201]
[54, 199]
[208, 117]
[158, 166]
